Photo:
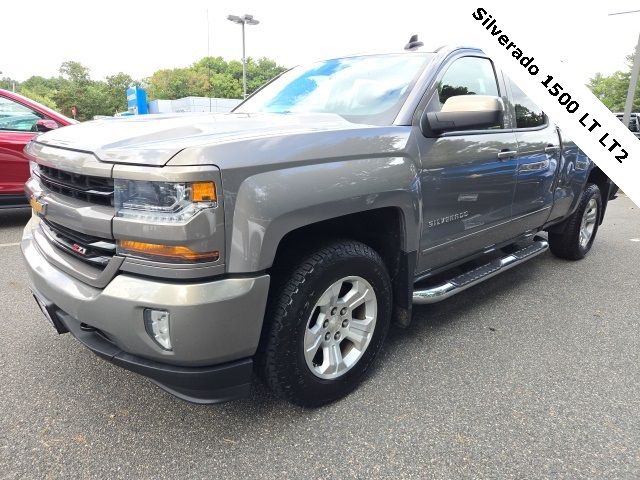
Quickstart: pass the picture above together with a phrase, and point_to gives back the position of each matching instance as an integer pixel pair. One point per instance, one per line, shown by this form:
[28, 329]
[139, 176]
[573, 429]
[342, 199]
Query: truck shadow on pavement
[427, 321]
[14, 217]
[428, 318]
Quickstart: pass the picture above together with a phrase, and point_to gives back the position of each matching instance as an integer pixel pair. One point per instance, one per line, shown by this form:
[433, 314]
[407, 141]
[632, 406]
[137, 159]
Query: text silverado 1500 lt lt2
[285, 237]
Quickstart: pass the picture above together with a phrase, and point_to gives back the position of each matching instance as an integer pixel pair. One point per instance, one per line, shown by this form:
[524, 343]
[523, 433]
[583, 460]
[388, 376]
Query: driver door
[468, 177]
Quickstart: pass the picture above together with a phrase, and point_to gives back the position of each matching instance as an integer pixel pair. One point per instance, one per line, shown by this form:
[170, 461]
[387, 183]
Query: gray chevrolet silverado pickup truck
[285, 238]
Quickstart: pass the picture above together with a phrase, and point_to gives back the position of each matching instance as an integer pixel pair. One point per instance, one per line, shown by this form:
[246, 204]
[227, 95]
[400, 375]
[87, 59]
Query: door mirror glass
[465, 112]
[46, 124]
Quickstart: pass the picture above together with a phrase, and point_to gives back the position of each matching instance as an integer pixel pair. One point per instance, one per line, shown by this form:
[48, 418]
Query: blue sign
[137, 100]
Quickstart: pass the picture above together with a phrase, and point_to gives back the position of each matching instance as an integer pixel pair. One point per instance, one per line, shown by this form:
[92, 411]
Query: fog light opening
[156, 323]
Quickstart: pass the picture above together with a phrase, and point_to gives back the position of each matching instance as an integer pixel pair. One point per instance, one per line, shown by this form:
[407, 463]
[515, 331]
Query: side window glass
[17, 117]
[468, 76]
[528, 114]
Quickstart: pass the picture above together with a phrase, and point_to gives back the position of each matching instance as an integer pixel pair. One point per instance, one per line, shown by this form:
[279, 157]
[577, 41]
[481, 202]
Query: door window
[16, 117]
[468, 76]
[528, 114]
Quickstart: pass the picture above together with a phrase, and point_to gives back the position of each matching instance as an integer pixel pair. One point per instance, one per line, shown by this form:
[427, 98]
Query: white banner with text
[511, 42]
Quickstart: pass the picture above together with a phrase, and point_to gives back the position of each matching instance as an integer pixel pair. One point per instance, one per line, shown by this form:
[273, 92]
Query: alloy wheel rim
[588, 225]
[340, 327]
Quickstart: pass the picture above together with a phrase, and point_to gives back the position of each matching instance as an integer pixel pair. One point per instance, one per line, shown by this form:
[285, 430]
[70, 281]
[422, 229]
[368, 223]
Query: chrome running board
[466, 280]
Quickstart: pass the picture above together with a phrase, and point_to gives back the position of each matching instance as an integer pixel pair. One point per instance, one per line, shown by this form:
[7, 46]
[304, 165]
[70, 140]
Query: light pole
[248, 20]
[633, 80]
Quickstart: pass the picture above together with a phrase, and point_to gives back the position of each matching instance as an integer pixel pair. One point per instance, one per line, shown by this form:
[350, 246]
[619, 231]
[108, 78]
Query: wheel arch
[599, 178]
[383, 229]
[272, 205]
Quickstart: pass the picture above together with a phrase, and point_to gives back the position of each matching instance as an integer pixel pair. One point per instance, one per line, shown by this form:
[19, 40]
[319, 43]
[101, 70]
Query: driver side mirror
[464, 112]
[46, 124]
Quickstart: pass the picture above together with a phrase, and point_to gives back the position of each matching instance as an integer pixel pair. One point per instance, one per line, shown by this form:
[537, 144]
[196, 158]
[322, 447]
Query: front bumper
[219, 383]
[215, 325]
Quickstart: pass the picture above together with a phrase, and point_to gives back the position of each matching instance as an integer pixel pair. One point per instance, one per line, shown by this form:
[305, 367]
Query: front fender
[271, 204]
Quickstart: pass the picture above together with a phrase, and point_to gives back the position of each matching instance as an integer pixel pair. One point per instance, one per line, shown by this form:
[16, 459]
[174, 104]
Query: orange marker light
[203, 192]
[169, 252]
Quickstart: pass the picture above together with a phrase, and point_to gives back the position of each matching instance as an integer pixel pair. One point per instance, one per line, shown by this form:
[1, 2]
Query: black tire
[281, 360]
[567, 244]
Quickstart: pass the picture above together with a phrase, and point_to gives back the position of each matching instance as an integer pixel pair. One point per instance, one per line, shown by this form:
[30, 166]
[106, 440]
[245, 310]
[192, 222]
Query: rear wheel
[326, 322]
[580, 232]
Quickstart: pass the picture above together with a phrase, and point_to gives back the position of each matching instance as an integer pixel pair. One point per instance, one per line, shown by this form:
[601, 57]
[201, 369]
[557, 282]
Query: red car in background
[21, 119]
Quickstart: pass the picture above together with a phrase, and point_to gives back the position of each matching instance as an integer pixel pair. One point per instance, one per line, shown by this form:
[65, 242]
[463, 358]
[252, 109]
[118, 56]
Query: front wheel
[577, 238]
[326, 322]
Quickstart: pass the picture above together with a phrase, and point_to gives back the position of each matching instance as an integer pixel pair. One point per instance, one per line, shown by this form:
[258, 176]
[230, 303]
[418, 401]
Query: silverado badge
[449, 218]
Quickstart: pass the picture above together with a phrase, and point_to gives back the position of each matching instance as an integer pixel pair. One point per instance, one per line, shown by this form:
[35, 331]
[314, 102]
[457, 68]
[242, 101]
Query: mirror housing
[464, 112]
[46, 124]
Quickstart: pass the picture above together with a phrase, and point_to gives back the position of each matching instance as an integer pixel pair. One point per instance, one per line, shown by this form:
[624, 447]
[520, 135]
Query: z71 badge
[79, 249]
[439, 221]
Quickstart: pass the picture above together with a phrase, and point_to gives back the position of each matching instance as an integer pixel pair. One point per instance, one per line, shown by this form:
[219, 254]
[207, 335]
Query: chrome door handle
[506, 154]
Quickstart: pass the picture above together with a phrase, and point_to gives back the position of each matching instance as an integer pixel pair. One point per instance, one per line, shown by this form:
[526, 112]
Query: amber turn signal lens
[203, 192]
[169, 252]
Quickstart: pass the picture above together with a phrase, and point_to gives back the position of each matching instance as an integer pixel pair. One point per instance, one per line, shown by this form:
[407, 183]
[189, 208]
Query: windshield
[366, 89]
[47, 110]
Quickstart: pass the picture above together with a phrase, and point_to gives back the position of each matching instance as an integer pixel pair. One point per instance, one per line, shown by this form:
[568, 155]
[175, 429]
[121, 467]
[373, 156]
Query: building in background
[136, 100]
[193, 104]
[137, 104]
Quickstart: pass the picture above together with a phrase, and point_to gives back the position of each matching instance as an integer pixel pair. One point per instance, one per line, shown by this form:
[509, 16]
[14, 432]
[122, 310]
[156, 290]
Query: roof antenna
[413, 44]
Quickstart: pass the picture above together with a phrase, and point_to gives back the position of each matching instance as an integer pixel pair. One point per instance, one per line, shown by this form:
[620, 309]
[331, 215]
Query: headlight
[162, 202]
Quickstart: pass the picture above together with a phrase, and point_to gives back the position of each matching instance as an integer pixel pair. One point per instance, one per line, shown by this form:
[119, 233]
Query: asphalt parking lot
[533, 374]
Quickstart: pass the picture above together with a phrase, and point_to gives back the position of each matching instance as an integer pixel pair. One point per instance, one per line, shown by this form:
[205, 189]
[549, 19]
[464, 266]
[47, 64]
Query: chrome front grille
[98, 190]
[95, 251]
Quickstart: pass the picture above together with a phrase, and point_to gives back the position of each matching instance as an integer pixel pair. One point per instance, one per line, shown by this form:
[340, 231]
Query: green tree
[41, 90]
[212, 76]
[75, 72]
[260, 72]
[612, 90]
[78, 90]
[221, 81]
[73, 91]
[178, 83]
[42, 86]
[116, 92]
[211, 65]
[209, 76]
[7, 83]
[37, 97]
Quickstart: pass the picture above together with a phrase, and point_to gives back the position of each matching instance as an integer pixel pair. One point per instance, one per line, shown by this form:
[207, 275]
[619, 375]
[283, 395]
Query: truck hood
[155, 139]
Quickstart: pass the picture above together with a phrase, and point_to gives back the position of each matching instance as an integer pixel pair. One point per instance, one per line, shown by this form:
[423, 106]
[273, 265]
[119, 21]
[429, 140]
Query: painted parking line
[9, 244]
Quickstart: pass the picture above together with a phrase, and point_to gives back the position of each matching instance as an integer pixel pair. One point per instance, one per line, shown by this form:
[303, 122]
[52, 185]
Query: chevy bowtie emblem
[79, 249]
[39, 207]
